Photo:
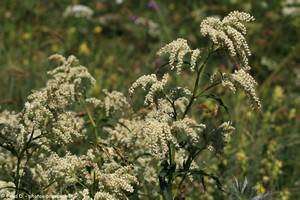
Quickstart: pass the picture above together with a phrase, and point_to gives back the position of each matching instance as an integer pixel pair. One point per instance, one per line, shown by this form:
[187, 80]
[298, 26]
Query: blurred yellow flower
[109, 60]
[98, 29]
[241, 156]
[278, 94]
[260, 189]
[114, 78]
[71, 30]
[96, 90]
[292, 113]
[54, 48]
[285, 194]
[84, 49]
[26, 36]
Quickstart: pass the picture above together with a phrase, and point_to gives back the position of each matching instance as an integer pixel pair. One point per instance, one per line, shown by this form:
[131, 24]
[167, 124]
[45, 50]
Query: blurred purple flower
[152, 4]
[134, 18]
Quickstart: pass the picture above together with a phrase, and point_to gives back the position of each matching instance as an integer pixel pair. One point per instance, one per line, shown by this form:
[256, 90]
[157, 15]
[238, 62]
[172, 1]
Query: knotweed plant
[78, 147]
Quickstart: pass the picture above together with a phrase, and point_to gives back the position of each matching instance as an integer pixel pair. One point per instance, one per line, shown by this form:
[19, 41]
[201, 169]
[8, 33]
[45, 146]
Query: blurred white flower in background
[119, 1]
[291, 7]
[80, 11]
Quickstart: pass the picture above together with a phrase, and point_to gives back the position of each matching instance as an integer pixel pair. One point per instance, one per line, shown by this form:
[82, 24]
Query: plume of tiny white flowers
[157, 135]
[68, 126]
[114, 101]
[118, 178]
[65, 167]
[94, 101]
[152, 132]
[239, 78]
[229, 32]
[190, 127]
[248, 83]
[113, 179]
[226, 82]
[103, 196]
[155, 86]
[46, 120]
[177, 49]
[6, 193]
[44, 114]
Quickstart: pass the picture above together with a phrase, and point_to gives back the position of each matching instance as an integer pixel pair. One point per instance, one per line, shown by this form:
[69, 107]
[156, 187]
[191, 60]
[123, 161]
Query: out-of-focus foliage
[118, 43]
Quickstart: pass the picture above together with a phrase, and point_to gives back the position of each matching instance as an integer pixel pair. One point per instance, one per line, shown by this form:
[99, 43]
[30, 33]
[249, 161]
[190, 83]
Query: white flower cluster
[116, 177]
[46, 108]
[67, 126]
[46, 121]
[126, 133]
[290, 7]
[157, 136]
[156, 86]
[156, 130]
[177, 49]
[113, 180]
[45, 113]
[9, 123]
[229, 32]
[128, 136]
[5, 190]
[114, 101]
[242, 78]
[248, 83]
[190, 127]
[80, 11]
[65, 167]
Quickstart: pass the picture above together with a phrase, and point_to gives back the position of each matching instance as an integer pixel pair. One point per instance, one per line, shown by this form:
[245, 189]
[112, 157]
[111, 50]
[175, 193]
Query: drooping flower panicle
[230, 33]
[177, 49]
[247, 82]
[155, 85]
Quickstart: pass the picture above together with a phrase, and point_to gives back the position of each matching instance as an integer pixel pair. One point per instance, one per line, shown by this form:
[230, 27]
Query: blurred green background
[119, 43]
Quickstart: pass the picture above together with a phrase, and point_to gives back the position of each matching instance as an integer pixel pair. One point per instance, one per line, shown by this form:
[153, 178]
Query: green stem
[208, 88]
[19, 160]
[90, 116]
[170, 176]
[17, 178]
[193, 97]
[186, 167]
